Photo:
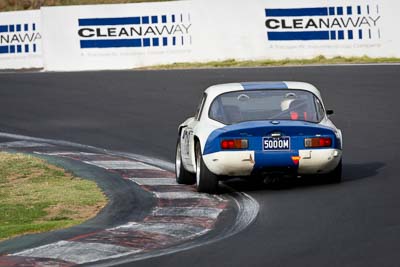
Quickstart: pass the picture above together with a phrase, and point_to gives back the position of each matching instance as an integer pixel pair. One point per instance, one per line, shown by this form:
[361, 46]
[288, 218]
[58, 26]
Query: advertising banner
[116, 36]
[288, 29]
[297, 29]
[20, 40]
[123, 36]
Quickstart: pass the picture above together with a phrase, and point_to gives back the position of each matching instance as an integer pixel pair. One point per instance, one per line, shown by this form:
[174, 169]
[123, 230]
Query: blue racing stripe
[274, 159]
[256, 130]
[263, 85]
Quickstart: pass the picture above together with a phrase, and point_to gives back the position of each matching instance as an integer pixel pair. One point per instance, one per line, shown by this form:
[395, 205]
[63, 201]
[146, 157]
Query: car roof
[216, 90]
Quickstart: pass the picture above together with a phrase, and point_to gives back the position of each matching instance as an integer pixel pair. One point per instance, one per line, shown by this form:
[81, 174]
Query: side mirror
[329, 112]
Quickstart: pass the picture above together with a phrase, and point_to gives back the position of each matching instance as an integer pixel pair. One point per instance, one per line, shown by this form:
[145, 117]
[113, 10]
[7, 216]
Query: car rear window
[254, 105]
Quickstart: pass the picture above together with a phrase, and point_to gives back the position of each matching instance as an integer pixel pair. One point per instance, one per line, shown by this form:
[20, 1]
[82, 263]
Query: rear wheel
[182, 175]
[336, 175]
[207, 182]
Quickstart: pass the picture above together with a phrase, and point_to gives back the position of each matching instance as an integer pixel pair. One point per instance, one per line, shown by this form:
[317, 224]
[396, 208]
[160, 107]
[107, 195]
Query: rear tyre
[207, 182]
[182, 175]
[336, 175]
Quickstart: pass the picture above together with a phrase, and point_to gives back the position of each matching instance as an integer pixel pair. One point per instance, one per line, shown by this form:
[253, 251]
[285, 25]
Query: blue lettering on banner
[341, 35]
[19, 38]
[134, 32]
[296, 12]
[108, 21]
[306, 35]
[322, 23]
[111, 43]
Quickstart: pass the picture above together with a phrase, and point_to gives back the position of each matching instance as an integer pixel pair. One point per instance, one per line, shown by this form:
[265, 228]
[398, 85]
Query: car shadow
[362, 170]
[351, 172]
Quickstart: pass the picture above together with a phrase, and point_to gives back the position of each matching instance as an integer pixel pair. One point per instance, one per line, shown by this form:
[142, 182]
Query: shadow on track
[351, 172]
[358, 171]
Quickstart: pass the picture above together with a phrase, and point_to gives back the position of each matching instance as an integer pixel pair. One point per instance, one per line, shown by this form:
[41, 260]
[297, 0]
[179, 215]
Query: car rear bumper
[230, 163]
[242, 163]
[318, 161]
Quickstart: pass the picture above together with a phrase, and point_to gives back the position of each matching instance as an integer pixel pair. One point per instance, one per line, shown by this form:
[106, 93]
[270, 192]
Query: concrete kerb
[245, 206]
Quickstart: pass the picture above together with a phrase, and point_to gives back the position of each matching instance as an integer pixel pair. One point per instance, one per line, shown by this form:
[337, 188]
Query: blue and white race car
[258, 129]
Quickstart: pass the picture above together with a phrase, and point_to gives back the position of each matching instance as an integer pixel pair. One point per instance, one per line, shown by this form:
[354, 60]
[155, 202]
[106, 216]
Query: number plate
[276, 144]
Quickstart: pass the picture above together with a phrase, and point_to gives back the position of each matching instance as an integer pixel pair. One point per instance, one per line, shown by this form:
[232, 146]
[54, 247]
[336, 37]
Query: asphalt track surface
[355, 223]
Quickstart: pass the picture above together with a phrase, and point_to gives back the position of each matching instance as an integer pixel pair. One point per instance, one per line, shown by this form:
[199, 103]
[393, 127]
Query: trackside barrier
[20, 40]
[125, 36]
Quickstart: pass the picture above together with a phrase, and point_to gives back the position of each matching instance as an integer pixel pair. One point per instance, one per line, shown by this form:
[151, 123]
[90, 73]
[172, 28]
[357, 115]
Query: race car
[258, 129]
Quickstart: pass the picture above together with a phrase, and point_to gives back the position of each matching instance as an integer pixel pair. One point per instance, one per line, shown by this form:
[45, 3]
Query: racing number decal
[185, 142]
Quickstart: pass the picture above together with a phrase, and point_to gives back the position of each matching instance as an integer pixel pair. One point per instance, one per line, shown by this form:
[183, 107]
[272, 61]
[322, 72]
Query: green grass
[284, 62]
[38, 197]
[12, 5]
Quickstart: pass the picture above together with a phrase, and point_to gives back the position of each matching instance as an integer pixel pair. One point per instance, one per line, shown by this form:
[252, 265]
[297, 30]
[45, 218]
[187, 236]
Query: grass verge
[38, 197]
[283, 62]
[14, 5]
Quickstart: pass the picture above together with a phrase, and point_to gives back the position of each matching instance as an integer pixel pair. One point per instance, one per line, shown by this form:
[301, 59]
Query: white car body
[242, 162]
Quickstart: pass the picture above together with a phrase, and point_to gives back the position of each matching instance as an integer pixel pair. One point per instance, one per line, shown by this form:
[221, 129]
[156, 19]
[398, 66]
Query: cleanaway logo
[144, 31]
[323, 23]
[19, 38]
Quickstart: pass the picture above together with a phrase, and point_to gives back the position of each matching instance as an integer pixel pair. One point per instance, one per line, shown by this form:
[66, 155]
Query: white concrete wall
[134, 35]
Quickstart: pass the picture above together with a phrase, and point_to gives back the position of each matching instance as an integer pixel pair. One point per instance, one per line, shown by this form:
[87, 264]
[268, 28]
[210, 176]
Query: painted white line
[154, 181]
[17, 144]
[77, 252]
[212, 213]
[181, 195]
[121, 165]
[248, 210]
[172, 229]
[154, 161]
[66, 153]
[219, 198]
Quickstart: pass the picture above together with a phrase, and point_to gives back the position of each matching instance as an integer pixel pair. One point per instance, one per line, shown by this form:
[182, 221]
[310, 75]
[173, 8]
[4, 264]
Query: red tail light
[234, 144]
[296, 159]
[318, 142]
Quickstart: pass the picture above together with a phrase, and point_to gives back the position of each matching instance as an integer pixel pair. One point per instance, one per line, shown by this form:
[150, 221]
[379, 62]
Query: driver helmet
[287, 99]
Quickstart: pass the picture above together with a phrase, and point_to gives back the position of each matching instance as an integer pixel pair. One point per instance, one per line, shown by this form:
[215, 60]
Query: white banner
[20, 40]
[117, 36]
[287, 29]
[124, 36]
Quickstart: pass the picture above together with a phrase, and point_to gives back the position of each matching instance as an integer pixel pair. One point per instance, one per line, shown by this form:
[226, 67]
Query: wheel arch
[180, 128]
[196, 140]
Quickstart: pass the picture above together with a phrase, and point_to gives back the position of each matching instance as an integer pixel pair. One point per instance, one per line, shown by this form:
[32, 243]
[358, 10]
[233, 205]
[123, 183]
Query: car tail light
[318, 142]
[296, 159]
[234, 144]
